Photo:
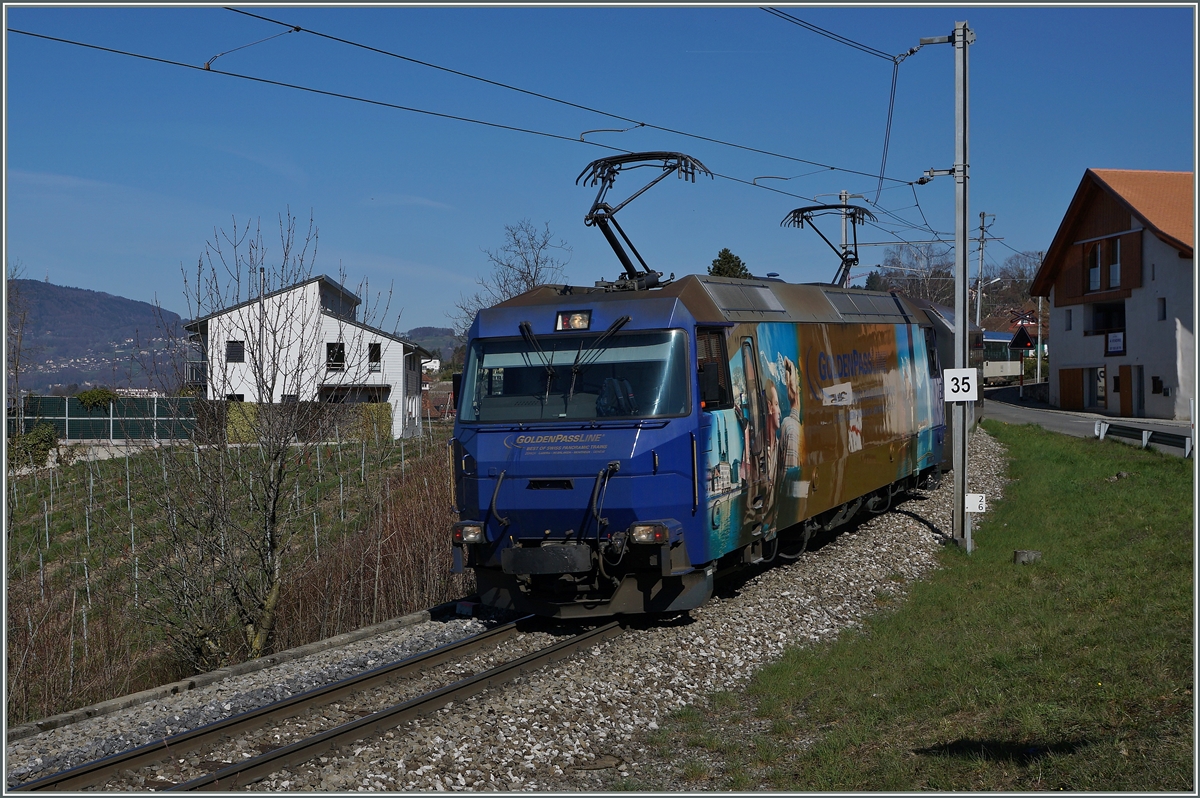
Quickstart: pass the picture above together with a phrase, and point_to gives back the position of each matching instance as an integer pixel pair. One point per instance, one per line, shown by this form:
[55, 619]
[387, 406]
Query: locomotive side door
[751, 406]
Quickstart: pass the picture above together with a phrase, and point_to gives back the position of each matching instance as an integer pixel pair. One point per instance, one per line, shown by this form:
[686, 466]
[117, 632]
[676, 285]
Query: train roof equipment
[855, 213]
[707, 299]
[603, 172]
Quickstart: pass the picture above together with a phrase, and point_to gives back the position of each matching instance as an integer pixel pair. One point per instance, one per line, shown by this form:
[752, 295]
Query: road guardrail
[1146, 436]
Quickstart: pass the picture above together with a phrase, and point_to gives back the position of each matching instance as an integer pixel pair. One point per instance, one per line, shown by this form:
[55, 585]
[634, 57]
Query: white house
[305, 343]
[1120, 278]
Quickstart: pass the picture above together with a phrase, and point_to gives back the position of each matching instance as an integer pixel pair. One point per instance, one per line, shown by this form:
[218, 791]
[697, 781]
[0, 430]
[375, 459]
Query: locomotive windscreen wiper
[593, 352]
[527, 333]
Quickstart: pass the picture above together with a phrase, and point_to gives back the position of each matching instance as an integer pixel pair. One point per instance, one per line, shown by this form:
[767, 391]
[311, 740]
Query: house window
[374, 356]
[1116, 383]
[235, 397]
[235, 351]
[1162, 308]
[335, 357]
[1156, 385]
[1093, 262]
[1113, 247]
[1067, 326]
[289, 398]
[1108, 316]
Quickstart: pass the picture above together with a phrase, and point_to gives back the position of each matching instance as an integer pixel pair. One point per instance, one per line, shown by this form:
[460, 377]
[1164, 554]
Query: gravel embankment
[580, 725]
[74, 744]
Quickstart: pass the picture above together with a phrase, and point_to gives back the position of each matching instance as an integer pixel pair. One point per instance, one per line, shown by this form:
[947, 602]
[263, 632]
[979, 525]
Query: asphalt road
[1005, 404]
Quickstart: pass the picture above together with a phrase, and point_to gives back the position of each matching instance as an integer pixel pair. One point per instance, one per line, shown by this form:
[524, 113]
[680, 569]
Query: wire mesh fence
[126, 418]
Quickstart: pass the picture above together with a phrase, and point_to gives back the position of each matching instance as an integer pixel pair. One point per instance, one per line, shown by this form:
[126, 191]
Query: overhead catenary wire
[829, 34]
[208, 63]
[499, 84]
[887, 130]
[312, 90]
[895, 59]
[396, 106]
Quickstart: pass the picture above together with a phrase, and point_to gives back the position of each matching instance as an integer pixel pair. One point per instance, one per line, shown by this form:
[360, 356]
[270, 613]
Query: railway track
[123, 768]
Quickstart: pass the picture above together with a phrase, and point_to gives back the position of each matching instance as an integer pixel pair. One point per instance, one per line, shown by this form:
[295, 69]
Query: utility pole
[1039, 344]
[845, 196]
[961, 38]
[979, 284]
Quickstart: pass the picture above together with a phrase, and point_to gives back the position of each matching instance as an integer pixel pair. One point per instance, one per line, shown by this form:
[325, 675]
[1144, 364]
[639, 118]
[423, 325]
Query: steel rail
[254, 769]
[95, 772]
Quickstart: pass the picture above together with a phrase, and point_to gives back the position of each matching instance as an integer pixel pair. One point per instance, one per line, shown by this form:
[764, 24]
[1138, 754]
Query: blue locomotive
[613, 449]
[617, 446]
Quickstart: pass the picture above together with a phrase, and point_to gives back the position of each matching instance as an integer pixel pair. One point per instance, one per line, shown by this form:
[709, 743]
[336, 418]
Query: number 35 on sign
[961, 385]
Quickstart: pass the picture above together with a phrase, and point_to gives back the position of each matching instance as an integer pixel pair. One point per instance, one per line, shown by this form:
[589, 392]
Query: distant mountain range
[435, 340]
[78, 339]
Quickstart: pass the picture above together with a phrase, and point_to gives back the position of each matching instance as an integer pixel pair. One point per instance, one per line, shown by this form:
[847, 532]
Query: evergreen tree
[877, 282]
[726, 264]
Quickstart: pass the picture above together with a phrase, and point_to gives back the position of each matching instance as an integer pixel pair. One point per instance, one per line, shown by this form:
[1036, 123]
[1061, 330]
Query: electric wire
[208, 63]
[895, 59]
[829, 34]
[1019, 252]
[887, 130]
[636, 123]
[323, 92]
[426, 112]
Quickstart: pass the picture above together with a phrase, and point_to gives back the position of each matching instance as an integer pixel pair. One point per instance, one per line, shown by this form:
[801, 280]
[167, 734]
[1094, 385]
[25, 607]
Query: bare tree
[17, 345]
[919, 270]
[1018, 271]
[232, 507]
[1009, 294]
[528, 258]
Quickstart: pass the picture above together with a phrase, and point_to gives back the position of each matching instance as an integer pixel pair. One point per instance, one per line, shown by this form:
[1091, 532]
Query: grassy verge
[1075, 672]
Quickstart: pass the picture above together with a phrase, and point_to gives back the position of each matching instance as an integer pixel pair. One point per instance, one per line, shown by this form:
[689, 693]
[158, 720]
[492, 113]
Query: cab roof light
[573, 320]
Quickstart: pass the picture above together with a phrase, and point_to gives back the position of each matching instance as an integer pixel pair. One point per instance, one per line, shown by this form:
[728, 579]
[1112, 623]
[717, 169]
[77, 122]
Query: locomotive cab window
[577, 378]
[931, 353]
[712, 365]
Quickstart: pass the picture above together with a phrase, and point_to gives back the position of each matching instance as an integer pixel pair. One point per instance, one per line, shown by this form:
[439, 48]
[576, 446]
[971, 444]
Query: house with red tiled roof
[1119, 275]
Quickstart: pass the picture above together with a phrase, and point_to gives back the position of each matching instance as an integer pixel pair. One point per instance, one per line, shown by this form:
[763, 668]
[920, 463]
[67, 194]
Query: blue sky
[119, 169]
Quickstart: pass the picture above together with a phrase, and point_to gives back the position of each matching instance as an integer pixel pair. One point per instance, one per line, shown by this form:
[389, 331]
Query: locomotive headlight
[649, 533]
[467, 533]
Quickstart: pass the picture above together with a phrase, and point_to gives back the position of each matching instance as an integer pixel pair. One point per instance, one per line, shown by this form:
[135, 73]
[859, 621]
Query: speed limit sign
[961, 385]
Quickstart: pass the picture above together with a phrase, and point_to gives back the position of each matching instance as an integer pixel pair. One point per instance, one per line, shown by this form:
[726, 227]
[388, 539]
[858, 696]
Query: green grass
[1075, 672]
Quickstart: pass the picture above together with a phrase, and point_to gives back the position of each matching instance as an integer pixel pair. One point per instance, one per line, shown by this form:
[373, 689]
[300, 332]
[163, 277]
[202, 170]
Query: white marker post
[961, 385]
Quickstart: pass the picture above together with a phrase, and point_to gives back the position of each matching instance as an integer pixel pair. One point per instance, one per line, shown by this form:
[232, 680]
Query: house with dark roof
[305, 343]
[1119, 275]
